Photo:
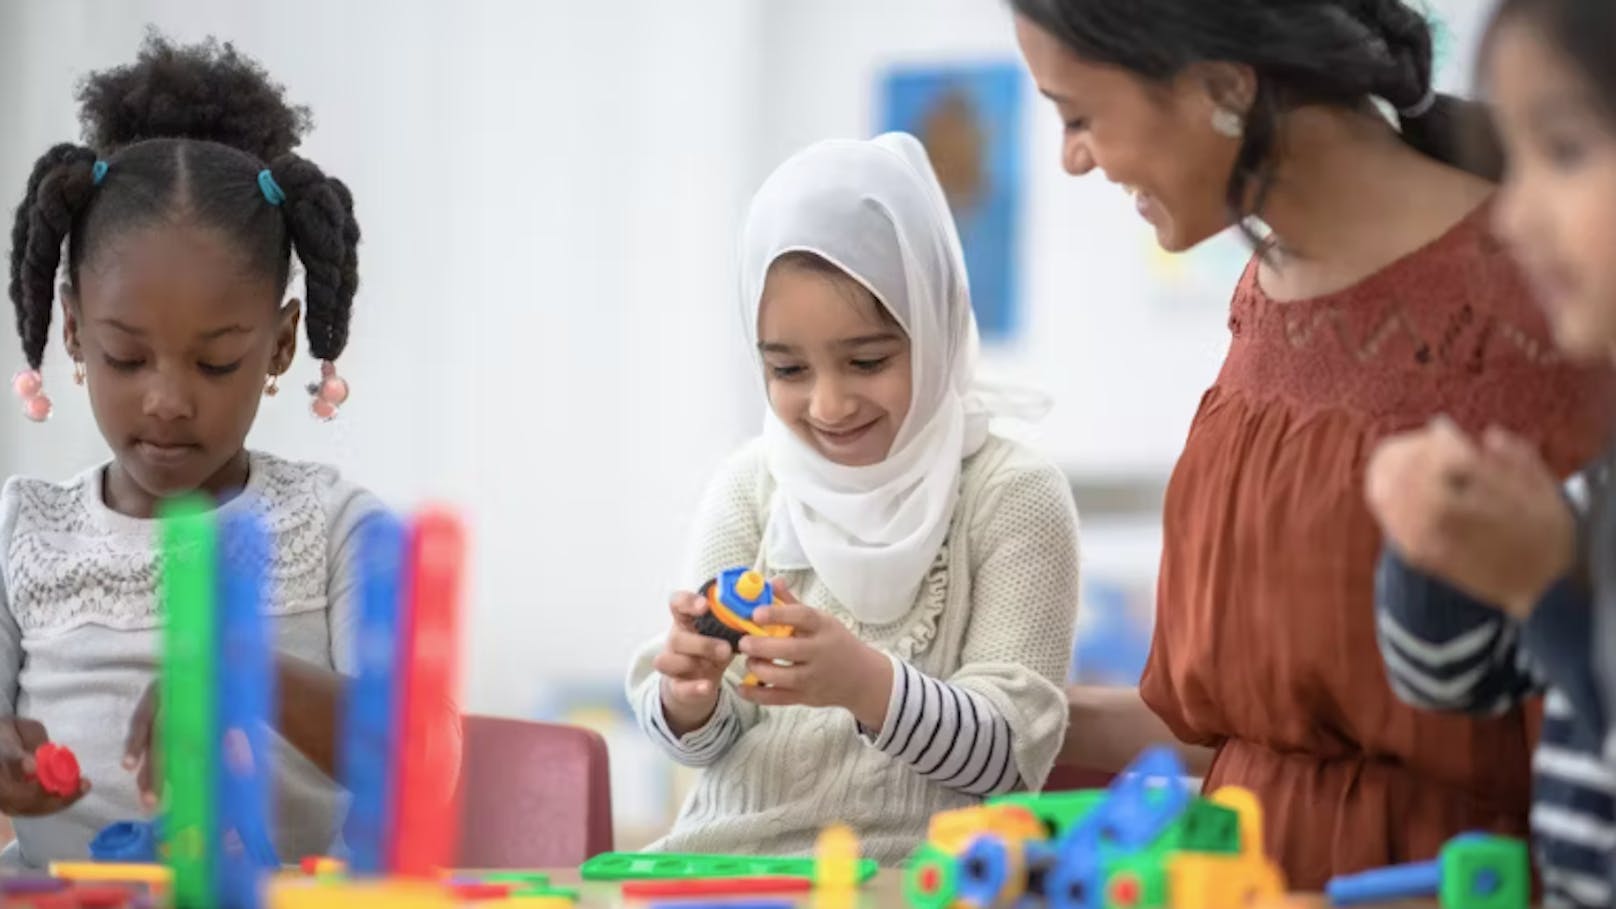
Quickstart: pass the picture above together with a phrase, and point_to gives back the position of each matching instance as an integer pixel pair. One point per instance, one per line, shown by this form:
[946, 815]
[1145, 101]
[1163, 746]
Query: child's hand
[140, 748]
[830, 667]
[21, 795]
[1486, 516]
[692, 666]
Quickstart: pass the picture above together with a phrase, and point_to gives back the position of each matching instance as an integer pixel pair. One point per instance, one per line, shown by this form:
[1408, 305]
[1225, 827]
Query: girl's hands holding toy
[691, 665]
[829, 665]
[21, 793]
[1485, 515]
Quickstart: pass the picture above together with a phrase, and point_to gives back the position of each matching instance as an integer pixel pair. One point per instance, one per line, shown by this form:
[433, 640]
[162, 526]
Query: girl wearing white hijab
[928, 567]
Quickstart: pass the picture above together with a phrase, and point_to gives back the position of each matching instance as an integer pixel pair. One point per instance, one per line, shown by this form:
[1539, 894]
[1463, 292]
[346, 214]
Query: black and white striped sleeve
[700, 747]
[947, 733]
[1446, 651]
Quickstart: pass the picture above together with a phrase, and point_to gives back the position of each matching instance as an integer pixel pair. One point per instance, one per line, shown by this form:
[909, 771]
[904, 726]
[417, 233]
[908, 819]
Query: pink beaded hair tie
[329, 393]
[30, 388]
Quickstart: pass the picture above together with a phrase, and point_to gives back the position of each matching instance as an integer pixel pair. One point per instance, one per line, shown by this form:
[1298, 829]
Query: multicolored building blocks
[1144, 843]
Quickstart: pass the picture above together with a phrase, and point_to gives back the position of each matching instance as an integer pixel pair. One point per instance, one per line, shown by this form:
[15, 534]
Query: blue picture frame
[969, 117]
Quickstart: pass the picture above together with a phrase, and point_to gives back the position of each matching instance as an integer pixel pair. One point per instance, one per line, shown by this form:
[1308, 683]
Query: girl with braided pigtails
[179, 218]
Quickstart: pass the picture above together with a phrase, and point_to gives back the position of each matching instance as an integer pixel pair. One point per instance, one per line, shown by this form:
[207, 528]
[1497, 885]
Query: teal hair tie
[98, 173]
[273, 194]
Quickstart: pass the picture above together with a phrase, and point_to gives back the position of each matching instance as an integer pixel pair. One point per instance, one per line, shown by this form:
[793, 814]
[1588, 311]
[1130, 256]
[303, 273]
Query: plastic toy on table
[630, 866]
[1474, 871]
[1144, 842]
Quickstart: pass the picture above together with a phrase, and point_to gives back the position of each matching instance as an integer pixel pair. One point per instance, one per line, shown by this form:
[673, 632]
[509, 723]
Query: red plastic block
[57, 769]
[102, 897]
[479, 890]
[724, 886]
[425, 823]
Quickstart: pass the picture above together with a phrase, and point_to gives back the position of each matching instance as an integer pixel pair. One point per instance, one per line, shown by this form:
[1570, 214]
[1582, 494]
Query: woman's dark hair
[183, 134]
[1584, 31]
[1331, 52]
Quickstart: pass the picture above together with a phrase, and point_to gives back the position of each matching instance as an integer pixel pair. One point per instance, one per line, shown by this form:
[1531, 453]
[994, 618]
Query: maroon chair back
[532, 795]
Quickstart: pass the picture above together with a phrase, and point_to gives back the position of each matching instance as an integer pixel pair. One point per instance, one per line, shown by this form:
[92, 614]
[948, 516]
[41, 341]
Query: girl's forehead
[173, 275]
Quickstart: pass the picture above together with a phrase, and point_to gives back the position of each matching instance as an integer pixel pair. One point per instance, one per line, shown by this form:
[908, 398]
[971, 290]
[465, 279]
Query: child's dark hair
[851, 288]
[1582, 30]
[1331, 52]
[184, 133]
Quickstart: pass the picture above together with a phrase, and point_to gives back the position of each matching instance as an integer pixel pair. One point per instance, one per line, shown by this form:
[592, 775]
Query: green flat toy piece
[187, 736]
[634, 866]
[523, 878]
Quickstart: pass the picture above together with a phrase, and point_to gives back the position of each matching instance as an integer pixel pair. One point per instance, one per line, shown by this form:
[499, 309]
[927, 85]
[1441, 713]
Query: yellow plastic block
[836, 858]
[1248, 809]
[1209, 881]
[113, 872]
[952, 831]
[304, 893]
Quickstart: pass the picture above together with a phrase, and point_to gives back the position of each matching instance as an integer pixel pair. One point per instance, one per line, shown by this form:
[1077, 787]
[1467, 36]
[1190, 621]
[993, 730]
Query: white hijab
[875, 210]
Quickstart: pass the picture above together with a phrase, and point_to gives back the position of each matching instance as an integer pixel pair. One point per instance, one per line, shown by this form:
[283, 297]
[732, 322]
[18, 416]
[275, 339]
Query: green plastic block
[521, 878]
[1209, 827]
[1480, 871]
[930, 878]
[636, 866]
[1144, 877]
[1058, 811]
[187, 734]
[565, 893]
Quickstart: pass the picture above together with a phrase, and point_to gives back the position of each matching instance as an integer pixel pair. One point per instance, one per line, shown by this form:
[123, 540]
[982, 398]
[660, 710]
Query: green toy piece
[931, 878]
[522, 878]
[1469, 861]
[187, 686]
[634, 866]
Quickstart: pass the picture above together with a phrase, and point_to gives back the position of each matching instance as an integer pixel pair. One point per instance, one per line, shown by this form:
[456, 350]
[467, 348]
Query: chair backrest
[532, 795]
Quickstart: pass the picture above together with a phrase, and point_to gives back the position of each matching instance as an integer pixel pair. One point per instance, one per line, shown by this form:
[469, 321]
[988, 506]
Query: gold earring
[78, 372]
[273, 386]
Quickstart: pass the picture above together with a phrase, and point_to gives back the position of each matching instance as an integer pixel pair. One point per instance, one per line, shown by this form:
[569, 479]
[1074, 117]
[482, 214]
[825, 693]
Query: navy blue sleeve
[1446, 651]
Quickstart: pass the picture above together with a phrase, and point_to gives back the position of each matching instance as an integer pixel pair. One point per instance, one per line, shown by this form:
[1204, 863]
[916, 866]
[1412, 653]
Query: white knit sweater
[995, 618]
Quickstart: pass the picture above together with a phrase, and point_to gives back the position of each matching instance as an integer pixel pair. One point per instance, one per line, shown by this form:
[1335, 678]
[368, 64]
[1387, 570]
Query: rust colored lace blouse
[1265, 641]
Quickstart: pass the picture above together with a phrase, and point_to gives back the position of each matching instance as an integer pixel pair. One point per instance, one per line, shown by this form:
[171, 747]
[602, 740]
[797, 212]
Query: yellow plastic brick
[303, 893]
[836, 856]
[1208, 881]
[113, 872]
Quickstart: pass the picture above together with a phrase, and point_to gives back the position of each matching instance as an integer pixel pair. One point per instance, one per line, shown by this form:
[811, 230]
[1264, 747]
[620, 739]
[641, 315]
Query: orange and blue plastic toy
[732, 599]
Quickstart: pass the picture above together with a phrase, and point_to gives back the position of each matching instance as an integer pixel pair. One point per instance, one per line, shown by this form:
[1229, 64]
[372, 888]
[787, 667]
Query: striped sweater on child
[1447, 651]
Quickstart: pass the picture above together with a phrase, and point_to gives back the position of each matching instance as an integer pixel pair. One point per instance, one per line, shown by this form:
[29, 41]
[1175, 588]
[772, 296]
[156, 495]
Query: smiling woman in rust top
[1377, 300]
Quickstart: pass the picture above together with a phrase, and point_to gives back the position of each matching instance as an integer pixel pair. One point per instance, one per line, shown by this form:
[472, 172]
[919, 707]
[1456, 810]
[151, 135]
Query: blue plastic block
[737, 603]
[370, 728]
[1145, 800]
[1385, 884]
[984, 872]
[126, 842]
[245, 678]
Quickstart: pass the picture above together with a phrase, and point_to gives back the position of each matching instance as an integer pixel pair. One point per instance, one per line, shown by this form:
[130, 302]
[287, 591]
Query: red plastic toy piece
[476, 891]
[56, 769]
[725, 886]
[106, 897]
[424, 820]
